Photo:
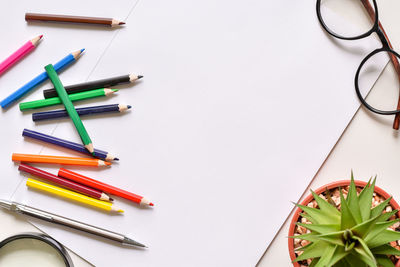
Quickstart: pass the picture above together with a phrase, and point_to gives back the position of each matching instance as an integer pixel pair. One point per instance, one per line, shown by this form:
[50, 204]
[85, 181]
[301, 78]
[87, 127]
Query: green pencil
[73, 97]
[62, 94]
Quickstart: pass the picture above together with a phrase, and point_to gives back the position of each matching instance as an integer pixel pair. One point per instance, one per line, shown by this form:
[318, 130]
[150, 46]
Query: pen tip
[140, 77]
[129, 106]
[121, 23]
[116, 159]
[151, 204]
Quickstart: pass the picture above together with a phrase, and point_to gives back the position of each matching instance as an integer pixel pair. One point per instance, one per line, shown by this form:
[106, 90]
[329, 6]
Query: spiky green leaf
[312, 237]
[384, 237]
[315, 250]
[321, 228]
[364, 200]
[385, 249]
[326, 257]
[364, 256]
[386, 216]
[339, 254]
[323, 205]
[384, 261]
[365, 249]
[364, 228]
[347, 219]
[377, 233]
[318, 215]
[308, 217]
[335, 238]
[354, 261]
[352, 201]
[378, 209]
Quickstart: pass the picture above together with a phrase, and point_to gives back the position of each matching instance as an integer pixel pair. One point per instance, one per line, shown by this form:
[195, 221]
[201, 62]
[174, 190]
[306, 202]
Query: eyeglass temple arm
[393, 58]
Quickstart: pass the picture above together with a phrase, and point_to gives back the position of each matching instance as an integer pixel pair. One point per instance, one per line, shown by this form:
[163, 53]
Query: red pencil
[65, 182]
[103, 187]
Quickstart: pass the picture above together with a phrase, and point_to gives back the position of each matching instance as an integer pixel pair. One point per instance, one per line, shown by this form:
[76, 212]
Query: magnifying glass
[33, 249]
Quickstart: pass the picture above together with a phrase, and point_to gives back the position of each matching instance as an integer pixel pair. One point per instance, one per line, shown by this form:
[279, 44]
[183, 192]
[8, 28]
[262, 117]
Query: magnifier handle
[33, 212]
[43, 215]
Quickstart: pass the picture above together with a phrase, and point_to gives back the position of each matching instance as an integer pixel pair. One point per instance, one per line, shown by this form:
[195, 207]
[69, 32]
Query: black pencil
[86, 86]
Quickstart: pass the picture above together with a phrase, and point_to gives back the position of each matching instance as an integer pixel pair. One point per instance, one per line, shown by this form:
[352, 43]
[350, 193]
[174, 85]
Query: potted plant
[346, 223]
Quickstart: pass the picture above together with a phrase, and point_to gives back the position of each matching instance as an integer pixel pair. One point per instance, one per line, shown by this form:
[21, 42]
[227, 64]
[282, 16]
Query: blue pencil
[68, 144]
[39, 79]
[62, 113]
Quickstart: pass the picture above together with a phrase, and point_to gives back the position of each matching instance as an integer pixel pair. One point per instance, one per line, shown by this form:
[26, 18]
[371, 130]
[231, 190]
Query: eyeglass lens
[351, 18]
[389, 92]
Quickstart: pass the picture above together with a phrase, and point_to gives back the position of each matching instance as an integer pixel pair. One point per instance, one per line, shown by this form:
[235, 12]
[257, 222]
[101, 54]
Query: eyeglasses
[337, 29]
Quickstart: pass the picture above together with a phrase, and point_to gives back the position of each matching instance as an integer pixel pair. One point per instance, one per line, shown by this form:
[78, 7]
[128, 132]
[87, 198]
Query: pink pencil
[19, 54]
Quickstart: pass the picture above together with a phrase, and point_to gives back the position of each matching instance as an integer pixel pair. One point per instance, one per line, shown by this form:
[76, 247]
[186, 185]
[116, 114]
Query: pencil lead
[83, 49]
[40, 37]
[116, 159]
[140, 77]
[129, 106]
[151, 204]
[121, 23]
[110, 198]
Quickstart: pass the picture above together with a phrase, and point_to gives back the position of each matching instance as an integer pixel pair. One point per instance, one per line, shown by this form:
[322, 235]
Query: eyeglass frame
[386, 47]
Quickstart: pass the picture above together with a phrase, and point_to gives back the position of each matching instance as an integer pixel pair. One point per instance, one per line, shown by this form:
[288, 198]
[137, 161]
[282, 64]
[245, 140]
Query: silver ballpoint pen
[47, 216]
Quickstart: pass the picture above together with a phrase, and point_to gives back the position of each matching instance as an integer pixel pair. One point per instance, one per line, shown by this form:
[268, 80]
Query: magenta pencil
[19, 54]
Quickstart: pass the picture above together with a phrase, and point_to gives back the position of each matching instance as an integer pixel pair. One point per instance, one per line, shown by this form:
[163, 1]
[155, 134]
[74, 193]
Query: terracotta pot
[322, 189]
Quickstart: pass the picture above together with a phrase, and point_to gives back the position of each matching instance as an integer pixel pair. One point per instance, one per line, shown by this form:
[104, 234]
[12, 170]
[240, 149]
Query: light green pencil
[62, 94]
[73, 97]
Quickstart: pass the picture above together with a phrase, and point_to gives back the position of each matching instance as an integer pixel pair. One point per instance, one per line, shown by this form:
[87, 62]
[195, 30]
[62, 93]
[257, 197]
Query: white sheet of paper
[239, 107]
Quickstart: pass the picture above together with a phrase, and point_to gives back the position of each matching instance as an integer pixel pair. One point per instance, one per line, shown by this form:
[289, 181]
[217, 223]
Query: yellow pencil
[71, 195]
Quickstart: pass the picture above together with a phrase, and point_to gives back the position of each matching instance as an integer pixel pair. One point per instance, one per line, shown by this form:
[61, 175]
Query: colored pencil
[74, 97]
[103, 187]
[19, 54]
[86, 86]
[30, 158]
[40, 79]
[67, 144]
[72, 19]
[91, 192]
[58, 191]
[69, 107]
[55, 114]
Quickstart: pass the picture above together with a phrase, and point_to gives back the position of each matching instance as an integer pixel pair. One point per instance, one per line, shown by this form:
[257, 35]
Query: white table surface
[369, 146]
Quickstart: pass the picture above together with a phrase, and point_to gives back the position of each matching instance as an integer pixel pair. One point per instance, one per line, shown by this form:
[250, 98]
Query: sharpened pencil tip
[140, 77]
[122, 211]
[83, 49]
[40, 37]
[151, 204]
[110, 198]
[129, 106]
[116, 159]
[107, 163]
[121, 23]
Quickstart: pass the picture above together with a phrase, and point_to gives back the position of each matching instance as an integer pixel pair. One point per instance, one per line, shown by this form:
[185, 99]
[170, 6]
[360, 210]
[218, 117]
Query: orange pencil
[59, 160]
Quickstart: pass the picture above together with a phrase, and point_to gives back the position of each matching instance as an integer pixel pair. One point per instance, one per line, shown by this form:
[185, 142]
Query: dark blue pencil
[55, 114]
[67, 144]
